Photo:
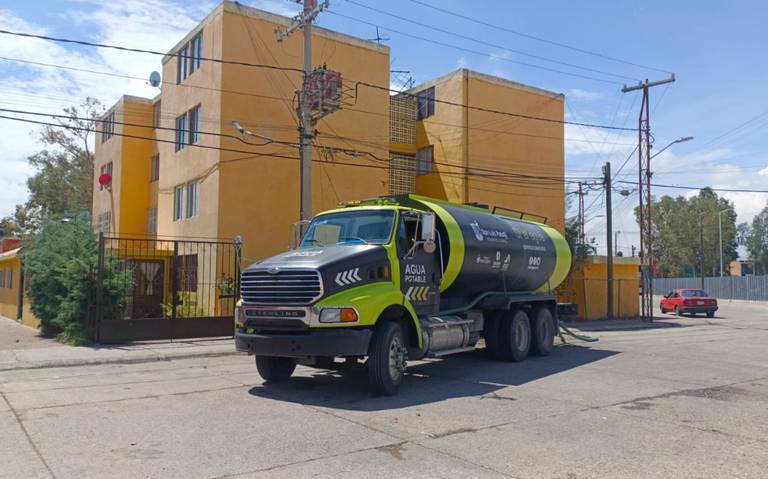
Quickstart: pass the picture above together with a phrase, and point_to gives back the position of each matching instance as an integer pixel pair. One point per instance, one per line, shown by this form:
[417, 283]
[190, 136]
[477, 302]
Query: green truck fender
[370, 301]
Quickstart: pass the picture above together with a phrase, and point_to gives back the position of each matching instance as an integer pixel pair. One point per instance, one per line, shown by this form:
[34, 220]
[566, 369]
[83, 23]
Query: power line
[680, 187]
[483, 42]
[498, 112]
[141, 50]
[519, 180]
[469, 50]
[538, 39]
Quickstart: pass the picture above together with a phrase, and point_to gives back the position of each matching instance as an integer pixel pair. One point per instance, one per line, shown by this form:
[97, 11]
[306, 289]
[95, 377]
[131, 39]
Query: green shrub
[62, 262]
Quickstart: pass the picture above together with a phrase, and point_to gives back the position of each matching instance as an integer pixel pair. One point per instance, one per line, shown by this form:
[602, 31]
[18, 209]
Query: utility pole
[720, 237]
[701, 251]
[306, 124]
[582, 239]
[609, 235]
[644, 190]
[633, 251]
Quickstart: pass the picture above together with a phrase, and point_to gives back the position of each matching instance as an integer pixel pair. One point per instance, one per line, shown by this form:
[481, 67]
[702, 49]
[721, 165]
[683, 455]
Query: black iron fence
[150, 288]
[748, 288]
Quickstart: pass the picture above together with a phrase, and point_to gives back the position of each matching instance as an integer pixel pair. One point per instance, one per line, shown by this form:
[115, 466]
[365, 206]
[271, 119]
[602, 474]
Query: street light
[679, 140]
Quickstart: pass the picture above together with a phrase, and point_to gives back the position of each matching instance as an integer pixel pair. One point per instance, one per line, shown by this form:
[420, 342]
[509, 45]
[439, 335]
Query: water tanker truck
[398, 278]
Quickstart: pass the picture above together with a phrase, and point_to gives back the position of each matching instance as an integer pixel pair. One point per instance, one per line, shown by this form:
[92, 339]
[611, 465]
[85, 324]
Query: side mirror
[428, 232]
[297, 233]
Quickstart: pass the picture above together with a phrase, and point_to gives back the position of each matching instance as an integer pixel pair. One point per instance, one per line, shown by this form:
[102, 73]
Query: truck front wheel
[515, 336]
[386, 358]
[275, 369]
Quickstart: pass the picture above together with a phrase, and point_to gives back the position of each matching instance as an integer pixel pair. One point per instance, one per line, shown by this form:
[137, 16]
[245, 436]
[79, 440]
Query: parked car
[689, 301]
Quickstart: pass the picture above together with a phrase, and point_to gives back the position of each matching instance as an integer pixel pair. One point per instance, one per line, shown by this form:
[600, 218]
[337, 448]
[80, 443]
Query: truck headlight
[338, 315]
[238, 315]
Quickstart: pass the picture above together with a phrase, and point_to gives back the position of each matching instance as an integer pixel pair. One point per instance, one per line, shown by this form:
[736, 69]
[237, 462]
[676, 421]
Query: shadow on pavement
[626, 324]
[464, 375]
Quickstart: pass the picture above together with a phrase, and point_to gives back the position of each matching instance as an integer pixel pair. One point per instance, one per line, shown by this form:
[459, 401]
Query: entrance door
[147, 297]
[420, 272]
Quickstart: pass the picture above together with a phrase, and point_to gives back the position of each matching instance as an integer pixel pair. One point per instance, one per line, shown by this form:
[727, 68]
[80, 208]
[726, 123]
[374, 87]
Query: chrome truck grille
[283, 287]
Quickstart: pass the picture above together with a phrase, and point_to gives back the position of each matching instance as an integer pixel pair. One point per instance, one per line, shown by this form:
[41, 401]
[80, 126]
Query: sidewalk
[22, 348]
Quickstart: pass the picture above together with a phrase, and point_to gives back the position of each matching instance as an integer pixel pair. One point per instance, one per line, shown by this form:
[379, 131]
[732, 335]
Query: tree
[63, 179]
[61, 261]
[679, 226]
[757, 241]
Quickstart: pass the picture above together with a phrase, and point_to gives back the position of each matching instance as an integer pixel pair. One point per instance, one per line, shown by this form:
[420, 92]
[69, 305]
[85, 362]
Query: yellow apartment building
[179, 168]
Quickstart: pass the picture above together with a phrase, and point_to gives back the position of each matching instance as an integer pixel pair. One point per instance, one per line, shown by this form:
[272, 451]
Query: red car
[689, 301]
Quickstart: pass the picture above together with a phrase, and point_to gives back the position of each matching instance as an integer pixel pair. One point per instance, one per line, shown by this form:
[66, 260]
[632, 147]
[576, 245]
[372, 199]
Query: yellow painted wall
[130, 150]
[587, 286]
[478, 140]
[9, 297]
[259, 195]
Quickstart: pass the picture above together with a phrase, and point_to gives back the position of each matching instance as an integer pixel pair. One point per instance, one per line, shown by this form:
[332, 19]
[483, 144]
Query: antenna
[379, 38]
[154, 79]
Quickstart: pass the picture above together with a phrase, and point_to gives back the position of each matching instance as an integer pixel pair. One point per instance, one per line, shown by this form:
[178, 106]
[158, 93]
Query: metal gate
[149, 288]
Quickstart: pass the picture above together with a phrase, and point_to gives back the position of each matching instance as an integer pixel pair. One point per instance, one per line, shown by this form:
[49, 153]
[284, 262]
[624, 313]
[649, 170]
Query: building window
[9, 283]
[426, 103]
[186, 272]
[181, 64]
[2, 278]
[194, 125]
[424, 161]
[178, 202]
[193, 198]
[151, 220]
[154, 172]
[103, 222]
[105, 169]
[189, 58]
[108, 127]
[181, 132]
[196, 52]
[156, 112]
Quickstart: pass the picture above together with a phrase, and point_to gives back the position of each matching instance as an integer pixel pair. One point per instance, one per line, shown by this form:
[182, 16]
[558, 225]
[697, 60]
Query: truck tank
[485, 252]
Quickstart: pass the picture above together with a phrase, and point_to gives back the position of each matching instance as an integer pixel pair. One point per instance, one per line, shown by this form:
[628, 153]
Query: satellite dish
[154, 79]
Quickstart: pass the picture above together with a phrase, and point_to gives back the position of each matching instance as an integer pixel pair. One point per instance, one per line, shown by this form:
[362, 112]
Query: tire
[491, 333]
[711, 314]
[387, 355]
[274, 369]
[515, 336]
[542, 332]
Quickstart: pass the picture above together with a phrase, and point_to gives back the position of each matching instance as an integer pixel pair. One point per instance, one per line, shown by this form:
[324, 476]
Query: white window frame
[181, 132]
[192, 199]
[425, 161]
[193, 129]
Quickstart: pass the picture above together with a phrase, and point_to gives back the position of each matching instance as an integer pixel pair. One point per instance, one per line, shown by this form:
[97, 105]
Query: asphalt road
[686, 400]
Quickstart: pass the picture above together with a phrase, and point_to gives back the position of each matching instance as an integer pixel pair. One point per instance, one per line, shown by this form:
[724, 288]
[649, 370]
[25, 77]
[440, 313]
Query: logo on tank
[483, 234]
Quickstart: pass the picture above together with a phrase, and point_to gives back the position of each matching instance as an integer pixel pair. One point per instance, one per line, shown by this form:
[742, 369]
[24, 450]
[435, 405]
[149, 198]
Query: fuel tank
[485, 252]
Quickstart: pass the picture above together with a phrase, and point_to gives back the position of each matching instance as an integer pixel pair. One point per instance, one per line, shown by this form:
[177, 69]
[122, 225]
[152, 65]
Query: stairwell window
[426, 103]
[154, 172]
[193, 198]
[181, 64]
[108, 127]
[105, 169]
[178, 202]
[194, 125]
[424, 161]
[181, 132]
[196, 52]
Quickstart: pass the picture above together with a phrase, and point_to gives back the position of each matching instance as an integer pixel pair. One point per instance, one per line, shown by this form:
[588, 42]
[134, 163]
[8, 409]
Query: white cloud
[584, 95]
[461, 62]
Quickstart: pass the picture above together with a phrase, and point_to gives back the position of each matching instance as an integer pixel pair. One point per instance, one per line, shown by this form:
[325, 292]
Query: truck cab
[366, 281]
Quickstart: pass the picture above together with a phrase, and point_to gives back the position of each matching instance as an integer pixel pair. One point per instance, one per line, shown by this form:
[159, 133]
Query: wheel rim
[521, 335]
[396, 359]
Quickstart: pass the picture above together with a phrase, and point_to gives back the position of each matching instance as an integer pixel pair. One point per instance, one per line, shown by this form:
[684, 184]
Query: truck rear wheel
[275, 369]
[542, 332]
[515, 336]
[386, 358]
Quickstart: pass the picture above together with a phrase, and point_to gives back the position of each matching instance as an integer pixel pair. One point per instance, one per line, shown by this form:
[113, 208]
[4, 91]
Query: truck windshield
[350, 227]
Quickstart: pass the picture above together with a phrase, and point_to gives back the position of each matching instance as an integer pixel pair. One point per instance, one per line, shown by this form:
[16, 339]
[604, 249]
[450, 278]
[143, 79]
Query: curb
[133, 360]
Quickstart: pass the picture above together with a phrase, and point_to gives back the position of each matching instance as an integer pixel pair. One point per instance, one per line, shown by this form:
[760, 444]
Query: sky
[716, 50]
